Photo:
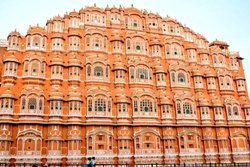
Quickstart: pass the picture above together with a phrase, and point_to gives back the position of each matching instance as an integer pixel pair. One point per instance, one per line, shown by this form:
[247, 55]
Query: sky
[226, 20]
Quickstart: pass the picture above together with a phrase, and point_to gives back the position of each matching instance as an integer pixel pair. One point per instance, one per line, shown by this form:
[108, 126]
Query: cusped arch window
[88, 70]
[146, 105]
[100, 105]
[181, 77]
[98, 71]
[32, 104]
[235, 111]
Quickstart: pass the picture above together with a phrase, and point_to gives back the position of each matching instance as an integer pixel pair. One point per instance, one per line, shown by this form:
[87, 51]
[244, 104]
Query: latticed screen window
[132, 73]
[247, 110]
[173, 77]
[135, 106]
[34, 68]
[235, 111]
[32, 103]
[109, 106]
[146, 105]
[100, 105]
[40, 104]
[90, 105]
[178, 106]
[218, 110]
[107, 71]
[23, 103]
[165, 108]
[229, 111]
[88, 70]
[181, 77]
[142, 73]
[98, 71]
[187, 108]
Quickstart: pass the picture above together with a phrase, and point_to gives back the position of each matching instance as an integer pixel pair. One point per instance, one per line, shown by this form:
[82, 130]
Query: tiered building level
[125, 86]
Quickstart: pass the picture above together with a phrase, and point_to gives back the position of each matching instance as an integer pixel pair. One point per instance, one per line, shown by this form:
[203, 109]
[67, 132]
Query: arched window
[23, 103]
[97, 42]
[107, 71]
[178, 107]
[146, 105]
[229, 110]
[135, 105]
[87, 41]
[88, 70]
[142, 73]
[167, 49]
[181, 77]
[34, 68]
[100, 105]
[98, 71]
[40, 104]
[36, 41]
[90, 105]
[28, 41]
[128, 44]
[228, 81]
[235, 111]
[187, 108]
[32, 104]
[173, 76]
[132, 73]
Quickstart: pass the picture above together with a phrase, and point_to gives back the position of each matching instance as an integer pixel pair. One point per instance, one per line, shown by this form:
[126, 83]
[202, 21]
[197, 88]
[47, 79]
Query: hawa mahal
[123, 85]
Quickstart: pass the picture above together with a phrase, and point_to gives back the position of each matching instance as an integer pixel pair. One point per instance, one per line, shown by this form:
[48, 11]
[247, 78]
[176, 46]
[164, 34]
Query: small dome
[116, 37]
[73, 32]
[82, 10]
[107, 8]
[122, 98]
[159, 69]
[74, 61]
[120, 66]
[191, 46]
[210, 73]
[36, 30]
[203, 102]
[165, 100]
[155, 41]
[14, 33]
[57, 60]
[246, 104]
[57, 35]
[114, 9]
[133, 10]
[197, 72]
[56, 95]
[8, 94]
[217, 42]
[11, 58]
[216, 102]
[49, 21]
[74, 14]
[169, 19]
[94, 8]
[75, 96]
[57, 18]
[66, 15]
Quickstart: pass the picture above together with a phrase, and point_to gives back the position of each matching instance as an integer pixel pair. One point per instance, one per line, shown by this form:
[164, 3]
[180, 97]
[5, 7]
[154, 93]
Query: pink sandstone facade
[125, 86]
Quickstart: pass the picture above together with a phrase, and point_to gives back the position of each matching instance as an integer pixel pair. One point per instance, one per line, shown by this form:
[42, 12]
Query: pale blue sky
[227, 20]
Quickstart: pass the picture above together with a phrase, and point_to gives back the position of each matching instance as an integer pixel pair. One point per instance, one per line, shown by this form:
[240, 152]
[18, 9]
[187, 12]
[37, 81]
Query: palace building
[124, 85]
